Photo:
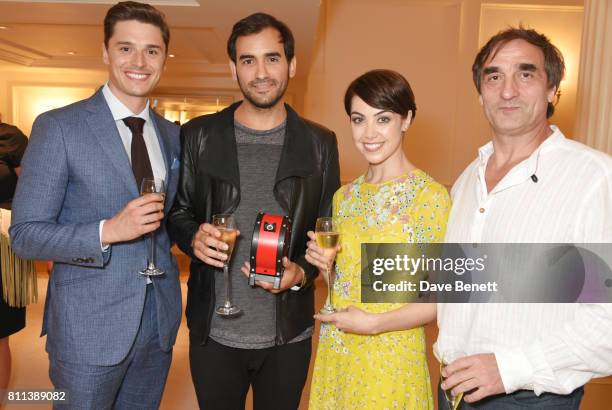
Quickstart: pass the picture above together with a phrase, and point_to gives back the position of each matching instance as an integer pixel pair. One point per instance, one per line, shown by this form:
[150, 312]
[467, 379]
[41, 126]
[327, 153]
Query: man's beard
[252, 98]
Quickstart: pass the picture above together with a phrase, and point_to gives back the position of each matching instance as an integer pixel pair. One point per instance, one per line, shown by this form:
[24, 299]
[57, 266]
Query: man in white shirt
[530, 184]
[110, 330]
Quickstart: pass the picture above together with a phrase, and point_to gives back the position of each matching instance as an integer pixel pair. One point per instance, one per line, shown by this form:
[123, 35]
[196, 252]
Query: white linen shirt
[541, 347]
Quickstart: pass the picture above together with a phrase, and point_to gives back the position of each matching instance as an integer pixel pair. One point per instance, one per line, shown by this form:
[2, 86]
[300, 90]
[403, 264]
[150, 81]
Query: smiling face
[377, 133]
[135, 57]
[261, 68]
[514, 90]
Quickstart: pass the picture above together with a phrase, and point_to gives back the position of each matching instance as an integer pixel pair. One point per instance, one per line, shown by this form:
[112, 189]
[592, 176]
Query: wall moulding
[532, 7]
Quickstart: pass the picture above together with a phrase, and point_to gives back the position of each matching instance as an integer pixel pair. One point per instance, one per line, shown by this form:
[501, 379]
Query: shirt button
[481, 210]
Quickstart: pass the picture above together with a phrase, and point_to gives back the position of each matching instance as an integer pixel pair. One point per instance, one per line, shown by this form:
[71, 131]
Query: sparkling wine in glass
[226, 224]
[452, 401]
[152, 186]
[327, 238]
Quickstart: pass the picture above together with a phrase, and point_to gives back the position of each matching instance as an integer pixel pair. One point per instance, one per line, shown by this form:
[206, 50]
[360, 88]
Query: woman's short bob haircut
[382, 89]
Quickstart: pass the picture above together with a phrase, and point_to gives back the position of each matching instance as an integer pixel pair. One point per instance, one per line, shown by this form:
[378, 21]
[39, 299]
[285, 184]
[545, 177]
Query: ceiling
[68, 34]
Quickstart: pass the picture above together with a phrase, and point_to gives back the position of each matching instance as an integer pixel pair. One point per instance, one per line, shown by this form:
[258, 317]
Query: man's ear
[232, 67]
[292, 67]
[480, 98]
[551, 95]
[104, 54]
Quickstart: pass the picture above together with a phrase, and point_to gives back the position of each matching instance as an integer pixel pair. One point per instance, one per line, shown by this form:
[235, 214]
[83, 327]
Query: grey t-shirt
[258, 157]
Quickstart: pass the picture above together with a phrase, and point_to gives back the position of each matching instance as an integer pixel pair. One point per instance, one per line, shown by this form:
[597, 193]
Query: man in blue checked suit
[110, 330]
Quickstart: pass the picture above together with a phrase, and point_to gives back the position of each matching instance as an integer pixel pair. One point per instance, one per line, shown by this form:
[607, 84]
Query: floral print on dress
[341, 286]
[386, 371]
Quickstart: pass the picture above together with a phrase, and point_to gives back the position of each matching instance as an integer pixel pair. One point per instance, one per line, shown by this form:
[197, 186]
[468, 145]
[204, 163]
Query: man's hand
[205, 245]
[351, 320]
[478, 372]
[292, 275]
[140, 216]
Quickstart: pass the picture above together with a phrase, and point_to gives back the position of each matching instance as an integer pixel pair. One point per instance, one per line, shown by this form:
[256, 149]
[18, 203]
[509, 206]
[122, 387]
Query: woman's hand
[352, 320]
[319, 257]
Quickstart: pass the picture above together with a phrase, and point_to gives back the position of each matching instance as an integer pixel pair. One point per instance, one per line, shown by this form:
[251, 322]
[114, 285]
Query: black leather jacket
[306, 179]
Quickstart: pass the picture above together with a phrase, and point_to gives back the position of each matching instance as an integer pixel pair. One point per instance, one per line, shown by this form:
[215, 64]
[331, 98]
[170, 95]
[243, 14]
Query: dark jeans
[521, 399]
[222, 375]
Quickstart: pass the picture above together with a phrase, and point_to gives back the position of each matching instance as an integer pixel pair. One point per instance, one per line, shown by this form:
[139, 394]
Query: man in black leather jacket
[257, 154]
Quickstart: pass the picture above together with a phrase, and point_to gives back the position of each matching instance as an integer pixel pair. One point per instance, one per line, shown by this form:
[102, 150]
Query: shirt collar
[525, 169]
[553, 140]
[118, 109]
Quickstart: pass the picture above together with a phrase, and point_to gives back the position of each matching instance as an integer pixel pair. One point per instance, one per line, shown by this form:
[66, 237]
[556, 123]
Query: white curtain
[594, 105]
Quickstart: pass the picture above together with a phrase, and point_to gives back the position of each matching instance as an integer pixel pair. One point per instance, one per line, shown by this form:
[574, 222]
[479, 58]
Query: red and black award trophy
[270, 243]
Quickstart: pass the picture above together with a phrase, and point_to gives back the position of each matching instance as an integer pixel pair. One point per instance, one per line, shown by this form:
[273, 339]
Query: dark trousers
[222, 375]
[521, 399]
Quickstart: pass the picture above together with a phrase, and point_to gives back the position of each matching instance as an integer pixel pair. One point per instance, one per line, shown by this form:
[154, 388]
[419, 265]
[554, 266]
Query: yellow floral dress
[386, 371]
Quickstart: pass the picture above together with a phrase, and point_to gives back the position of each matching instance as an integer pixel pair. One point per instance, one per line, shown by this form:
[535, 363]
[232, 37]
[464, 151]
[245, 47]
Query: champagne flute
[452, 401]
[327, 238]
[151, 186]
[226, 224]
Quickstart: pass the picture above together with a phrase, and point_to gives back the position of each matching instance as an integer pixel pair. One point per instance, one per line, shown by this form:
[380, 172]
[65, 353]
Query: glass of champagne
[152, 186]
[327, 238]
[452, 401]
[226, 224]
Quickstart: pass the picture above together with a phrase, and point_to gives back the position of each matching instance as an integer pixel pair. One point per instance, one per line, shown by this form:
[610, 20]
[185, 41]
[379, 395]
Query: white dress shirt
[540, 347]
[119, 111]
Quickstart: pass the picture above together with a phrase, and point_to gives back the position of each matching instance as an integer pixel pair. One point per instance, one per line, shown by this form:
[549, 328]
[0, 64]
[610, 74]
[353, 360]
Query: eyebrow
[527, 67]
[271, 54]
[490, 70]
[129, 43]
[382, 112]
[378, 113]
[522, 67]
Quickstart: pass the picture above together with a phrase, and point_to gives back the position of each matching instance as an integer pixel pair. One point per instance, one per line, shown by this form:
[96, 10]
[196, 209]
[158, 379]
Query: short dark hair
[131, 10]
[554, 65]
[256, 23]
[383, 89]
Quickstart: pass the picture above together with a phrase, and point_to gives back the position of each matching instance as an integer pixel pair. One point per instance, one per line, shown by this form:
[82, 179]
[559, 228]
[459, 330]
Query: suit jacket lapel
[104, 128]
[164, 144]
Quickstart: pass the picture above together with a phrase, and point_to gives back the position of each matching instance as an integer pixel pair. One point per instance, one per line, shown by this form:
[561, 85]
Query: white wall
[433, 44]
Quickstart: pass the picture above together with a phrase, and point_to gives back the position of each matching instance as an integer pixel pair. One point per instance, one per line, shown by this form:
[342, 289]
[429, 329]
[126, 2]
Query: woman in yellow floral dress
[365, 358]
